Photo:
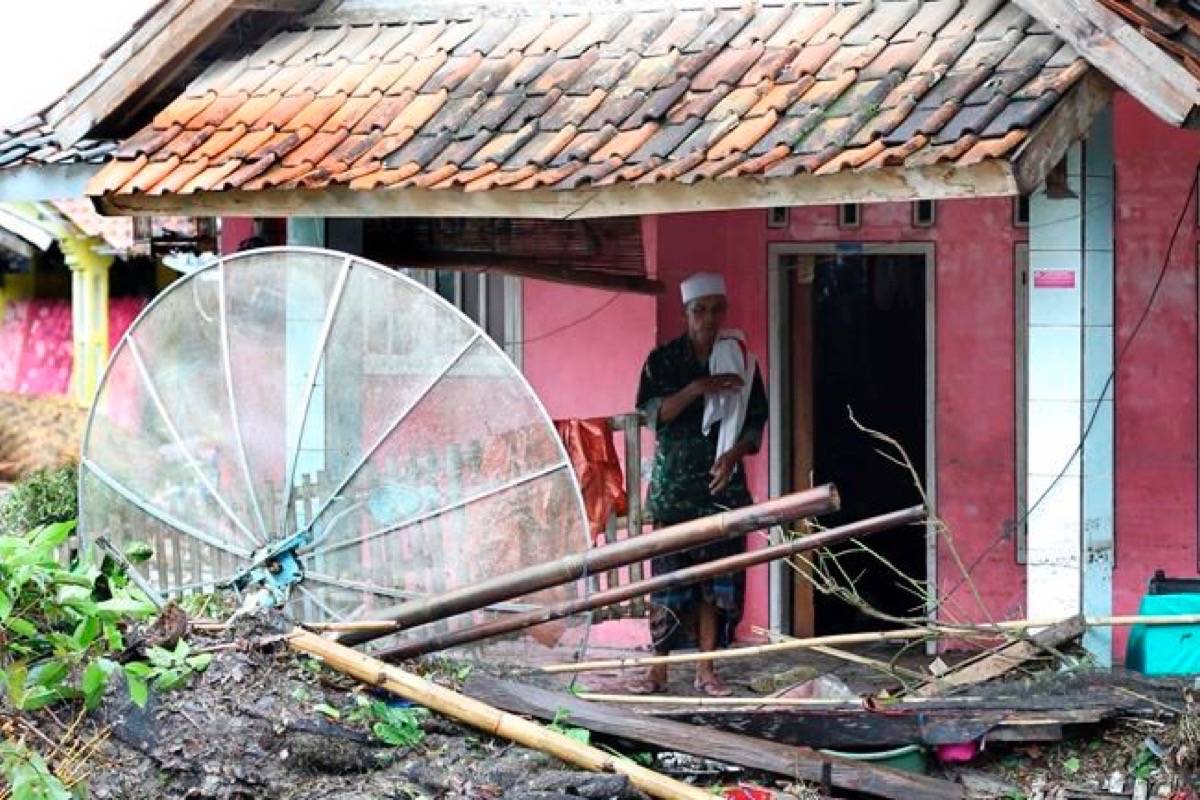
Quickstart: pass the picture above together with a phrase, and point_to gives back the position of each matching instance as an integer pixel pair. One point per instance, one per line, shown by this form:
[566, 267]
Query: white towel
[729, 355]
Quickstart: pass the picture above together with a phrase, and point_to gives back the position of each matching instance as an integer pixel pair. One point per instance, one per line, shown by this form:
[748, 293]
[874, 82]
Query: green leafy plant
[399, 727]
[44, 498]
[581, 735]
[166, 670]
[56, 625]
[27, 774]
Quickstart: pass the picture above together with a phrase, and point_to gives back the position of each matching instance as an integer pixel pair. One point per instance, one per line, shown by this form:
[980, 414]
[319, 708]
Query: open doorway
[856, 330]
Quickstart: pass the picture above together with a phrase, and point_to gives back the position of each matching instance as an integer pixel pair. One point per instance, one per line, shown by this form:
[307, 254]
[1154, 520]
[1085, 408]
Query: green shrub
[43, 498]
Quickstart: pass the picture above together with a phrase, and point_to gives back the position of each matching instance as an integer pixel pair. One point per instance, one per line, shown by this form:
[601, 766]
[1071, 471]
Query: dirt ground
[262, 722]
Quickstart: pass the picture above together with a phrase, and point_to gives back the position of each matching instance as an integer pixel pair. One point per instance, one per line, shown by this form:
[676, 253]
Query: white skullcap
[702, 284]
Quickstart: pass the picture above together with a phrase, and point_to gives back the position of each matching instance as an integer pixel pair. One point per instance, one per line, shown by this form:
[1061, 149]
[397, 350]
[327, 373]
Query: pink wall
[1156, 480]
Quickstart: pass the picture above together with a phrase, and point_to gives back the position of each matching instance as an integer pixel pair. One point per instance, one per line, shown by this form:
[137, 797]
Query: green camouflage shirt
[683, 455]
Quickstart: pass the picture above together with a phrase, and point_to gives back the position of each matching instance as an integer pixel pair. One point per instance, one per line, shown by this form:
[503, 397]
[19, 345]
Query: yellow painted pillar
[89, 310]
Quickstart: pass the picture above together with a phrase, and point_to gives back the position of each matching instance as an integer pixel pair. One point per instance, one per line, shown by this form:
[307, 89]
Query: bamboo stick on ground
[726, 525]
[986, 631]
[486, 718]
[682, 577]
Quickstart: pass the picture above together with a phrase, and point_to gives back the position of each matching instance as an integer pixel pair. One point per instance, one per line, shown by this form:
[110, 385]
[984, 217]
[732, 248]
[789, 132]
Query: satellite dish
[326, 433]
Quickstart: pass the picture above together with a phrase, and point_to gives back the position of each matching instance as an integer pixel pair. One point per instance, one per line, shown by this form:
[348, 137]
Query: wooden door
[800, 414]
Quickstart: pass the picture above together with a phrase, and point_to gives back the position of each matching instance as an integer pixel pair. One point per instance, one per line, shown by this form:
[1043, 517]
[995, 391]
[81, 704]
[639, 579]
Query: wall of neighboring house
[1156, 387]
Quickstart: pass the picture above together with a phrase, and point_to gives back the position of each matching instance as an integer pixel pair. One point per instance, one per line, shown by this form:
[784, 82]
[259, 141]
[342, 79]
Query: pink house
[972, 225]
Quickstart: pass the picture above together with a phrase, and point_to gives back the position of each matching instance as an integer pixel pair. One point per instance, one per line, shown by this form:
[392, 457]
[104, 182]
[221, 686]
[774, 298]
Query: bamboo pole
[682, 577]
[986, 631]
[535, 577]
[487, 718]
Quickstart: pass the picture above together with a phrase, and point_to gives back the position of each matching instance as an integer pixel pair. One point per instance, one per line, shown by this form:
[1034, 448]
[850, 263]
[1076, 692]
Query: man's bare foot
[712, 686]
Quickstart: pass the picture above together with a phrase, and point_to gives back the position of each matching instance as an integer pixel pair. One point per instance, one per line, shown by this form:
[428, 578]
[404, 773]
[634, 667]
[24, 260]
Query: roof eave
[37, 182]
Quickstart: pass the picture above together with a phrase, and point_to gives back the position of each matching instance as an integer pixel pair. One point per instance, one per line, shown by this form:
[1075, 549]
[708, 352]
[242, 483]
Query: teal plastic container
[1166, 649]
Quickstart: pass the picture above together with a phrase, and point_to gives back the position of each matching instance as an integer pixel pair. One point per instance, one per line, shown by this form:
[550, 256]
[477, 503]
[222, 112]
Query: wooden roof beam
[1068, 122]
[1113, 46]
[159, 47]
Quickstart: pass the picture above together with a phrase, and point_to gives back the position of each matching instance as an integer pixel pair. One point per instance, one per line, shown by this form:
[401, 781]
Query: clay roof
[565, 101]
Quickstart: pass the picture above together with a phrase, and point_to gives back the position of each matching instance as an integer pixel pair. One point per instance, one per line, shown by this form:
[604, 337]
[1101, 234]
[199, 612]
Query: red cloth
[589, 443]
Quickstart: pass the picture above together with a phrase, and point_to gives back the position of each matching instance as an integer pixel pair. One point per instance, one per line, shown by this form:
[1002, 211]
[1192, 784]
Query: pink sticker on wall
[1054, 279]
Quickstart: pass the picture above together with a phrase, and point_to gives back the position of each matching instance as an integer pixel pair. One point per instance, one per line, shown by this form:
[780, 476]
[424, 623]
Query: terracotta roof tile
[801, 25]
[384, 113]
[698, 104]
[182, 111]
[488, 75]
[148, 141]
[315, 149]
[557, 34]
[420, 72]
[769, 66]
[456, 33]
[515, 103]
[418, 40]
[180, 177]
[217, 111]
[643, 28]
[562, 73]
[183, 144]
[351, 112]
[348, 80]
[931, 17]
[318, 43]
[389, 36]
[529, 111]
[683, 28]
[600, 30]
[728, 67]
[218, 143]
[487, 37]
[280, 80]
[882, 23]
[452, 73]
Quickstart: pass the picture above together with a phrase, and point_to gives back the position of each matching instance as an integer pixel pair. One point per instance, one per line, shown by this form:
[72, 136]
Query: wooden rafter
[160, 46]
[1120, 51]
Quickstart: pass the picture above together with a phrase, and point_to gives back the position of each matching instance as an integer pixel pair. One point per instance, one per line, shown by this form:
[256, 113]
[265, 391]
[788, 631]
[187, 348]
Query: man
[685, 403]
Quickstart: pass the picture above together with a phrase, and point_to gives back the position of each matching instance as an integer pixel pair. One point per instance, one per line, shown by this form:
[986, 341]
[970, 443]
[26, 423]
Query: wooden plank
[1068, 122]
[1006, 658]
[1119, 51]
[167, 51]
[992, 178]
[789, 761]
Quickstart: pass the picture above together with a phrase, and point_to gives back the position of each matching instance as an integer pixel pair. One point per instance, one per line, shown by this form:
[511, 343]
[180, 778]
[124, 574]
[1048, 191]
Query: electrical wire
[574, 323]
[1145, 314]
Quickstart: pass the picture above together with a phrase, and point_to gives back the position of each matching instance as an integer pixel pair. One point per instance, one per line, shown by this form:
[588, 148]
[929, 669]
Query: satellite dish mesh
[287, 391]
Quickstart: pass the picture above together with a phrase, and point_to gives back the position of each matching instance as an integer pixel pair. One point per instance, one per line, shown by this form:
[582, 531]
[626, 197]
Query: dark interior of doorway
[869, 352]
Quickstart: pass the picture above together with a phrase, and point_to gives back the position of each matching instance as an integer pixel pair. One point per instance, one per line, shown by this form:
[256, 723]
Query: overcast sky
[50, 44]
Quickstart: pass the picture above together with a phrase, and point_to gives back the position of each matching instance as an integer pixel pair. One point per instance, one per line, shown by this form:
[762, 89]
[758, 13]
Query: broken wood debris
[487, 718]
[786, 760]
[1005, 658]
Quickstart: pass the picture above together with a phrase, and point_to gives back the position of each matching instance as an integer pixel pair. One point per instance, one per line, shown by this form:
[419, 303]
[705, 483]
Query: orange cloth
[589, 443]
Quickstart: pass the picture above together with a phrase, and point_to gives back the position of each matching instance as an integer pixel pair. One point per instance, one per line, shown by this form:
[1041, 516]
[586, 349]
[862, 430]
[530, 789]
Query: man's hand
[722, 470]
[713, 384]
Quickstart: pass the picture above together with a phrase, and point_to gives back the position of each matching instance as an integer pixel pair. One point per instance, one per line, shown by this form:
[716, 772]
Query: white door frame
[777, 253]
